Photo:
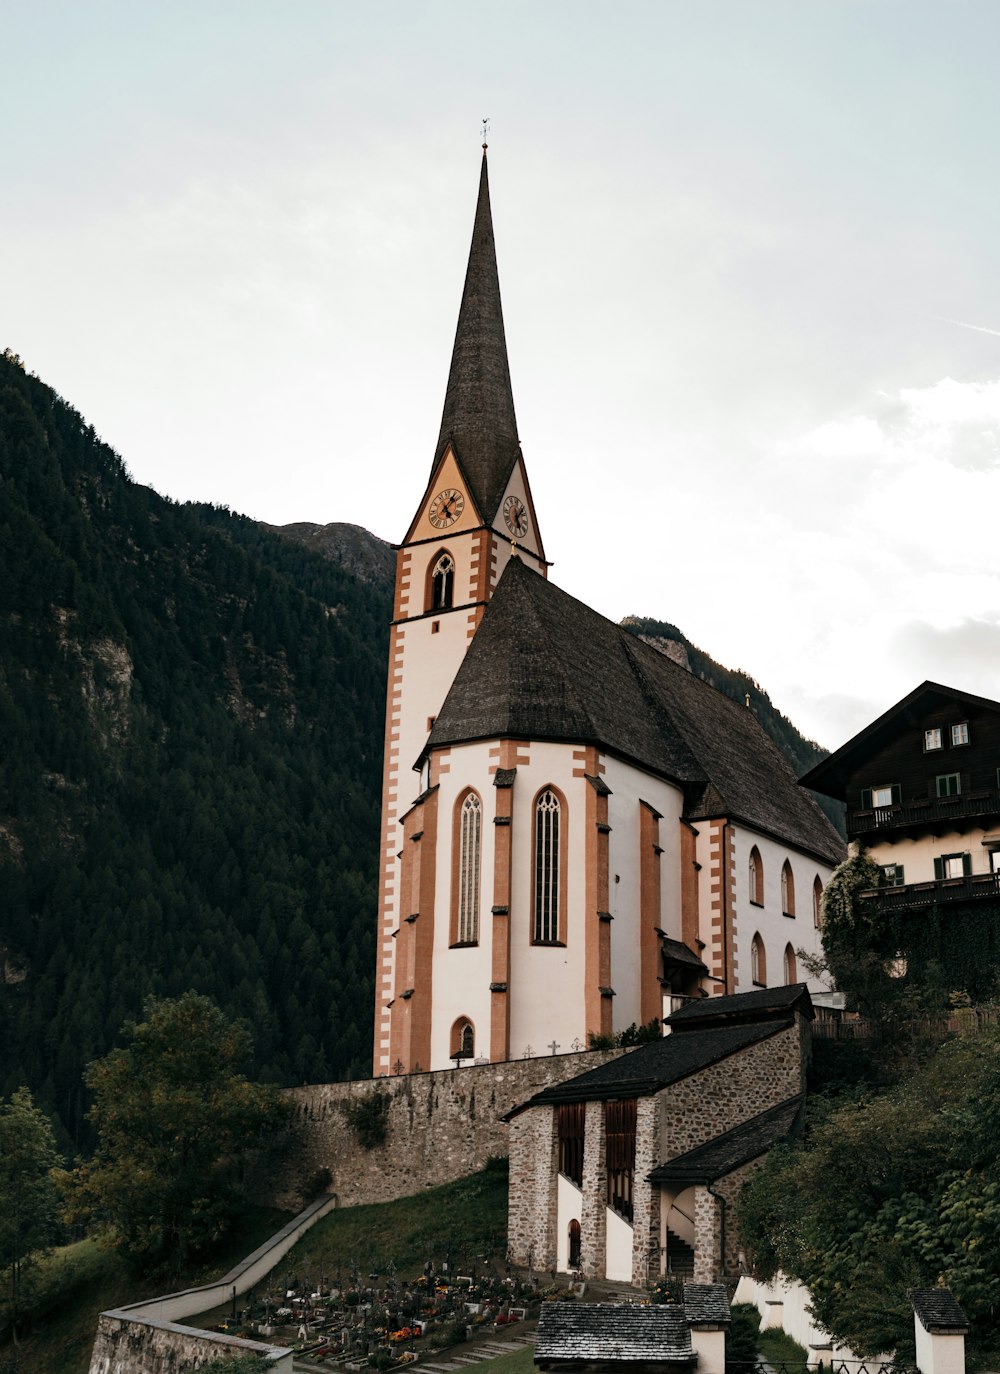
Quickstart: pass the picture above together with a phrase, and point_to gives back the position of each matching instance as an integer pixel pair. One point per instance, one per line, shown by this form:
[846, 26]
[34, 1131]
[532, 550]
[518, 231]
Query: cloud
[965, 655]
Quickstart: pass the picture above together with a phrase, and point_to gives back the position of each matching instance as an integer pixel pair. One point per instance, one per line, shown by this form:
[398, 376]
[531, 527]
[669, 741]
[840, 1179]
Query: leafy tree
[896, 1191]
[29, 1197]
[174, 1116]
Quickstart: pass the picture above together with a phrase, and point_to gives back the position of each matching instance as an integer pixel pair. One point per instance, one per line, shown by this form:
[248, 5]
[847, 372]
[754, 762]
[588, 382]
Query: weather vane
[486, 129]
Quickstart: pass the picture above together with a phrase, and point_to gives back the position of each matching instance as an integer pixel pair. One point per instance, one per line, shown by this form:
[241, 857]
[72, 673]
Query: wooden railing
[971, 888]
[929, 811]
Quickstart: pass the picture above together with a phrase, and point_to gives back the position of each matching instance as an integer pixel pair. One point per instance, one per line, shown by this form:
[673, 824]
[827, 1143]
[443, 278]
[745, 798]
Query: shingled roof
[478, 418]
[938, 1310]
[756, 1005]
[544, 666]
[655, 1065]
[731, 1150]
[617, 1334]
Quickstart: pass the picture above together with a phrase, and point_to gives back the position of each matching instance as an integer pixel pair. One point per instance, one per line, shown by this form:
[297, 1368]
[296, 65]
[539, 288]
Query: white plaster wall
[569, 1207]
[547, 982]
[618, 1255]
[917, 855]
[461, 977]
[938, 1352]
[629, 786]
[710, 1348]
[776, 929]
[786, 1305]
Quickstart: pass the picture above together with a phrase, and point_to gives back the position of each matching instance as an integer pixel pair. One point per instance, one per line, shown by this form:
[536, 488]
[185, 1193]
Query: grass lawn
[519, 1362]
[82, 1280]
[469, 1217]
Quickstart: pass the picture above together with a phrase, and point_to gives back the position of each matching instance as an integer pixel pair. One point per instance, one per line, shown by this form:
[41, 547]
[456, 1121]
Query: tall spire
[478, 415]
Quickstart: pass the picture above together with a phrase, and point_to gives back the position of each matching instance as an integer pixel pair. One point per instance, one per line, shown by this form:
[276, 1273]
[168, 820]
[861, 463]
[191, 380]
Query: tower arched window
[791, 973]
[817, 902]
[442, 583]
[787, 889]
[547, 869]
[463, 1039]
[758, 962]
[755, 876]
[470, 844]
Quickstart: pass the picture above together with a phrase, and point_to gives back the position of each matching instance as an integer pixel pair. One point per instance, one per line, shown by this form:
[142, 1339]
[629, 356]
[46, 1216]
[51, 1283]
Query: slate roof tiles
[544, 666]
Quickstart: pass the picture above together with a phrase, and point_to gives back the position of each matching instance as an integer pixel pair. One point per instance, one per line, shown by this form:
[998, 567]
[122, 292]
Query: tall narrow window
[787, 889]
[463, 1039]
[571, 1134]
[817, 902]
[758, 963]
[619, 1131]
[470, 843]
[442, 585]
[790, 970]
[756, 877]
[547, 868]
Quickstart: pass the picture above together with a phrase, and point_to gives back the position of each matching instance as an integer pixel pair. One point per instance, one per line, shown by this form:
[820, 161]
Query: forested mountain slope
[191, 715]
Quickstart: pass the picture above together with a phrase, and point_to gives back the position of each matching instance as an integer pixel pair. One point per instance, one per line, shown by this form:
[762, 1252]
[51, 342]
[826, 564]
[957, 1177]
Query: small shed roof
[614, 1334]
[937, 1310]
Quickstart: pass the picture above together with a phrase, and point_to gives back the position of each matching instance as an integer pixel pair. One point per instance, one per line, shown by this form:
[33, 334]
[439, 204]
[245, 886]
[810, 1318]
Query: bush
[741, 1343]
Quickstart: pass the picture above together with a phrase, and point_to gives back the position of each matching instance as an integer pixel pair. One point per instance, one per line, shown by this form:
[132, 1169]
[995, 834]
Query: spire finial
[486, 129]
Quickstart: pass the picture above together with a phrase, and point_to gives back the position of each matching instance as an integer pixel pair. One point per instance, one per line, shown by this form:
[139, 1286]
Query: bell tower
[475, 513]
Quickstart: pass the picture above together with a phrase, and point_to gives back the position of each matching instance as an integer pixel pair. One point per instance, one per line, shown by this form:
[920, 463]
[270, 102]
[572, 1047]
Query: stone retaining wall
[440, 1127]
[130, 1345]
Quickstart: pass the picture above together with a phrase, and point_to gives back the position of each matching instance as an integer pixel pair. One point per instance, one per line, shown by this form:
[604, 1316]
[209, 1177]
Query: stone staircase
[680, 1257]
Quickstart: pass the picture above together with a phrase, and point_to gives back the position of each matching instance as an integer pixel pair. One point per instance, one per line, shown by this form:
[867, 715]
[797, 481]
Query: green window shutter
[939, 869]
[967, 864]
[897, 794]
[866, 796]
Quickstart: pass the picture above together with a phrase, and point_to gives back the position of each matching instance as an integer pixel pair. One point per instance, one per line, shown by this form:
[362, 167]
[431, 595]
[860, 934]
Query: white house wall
[917, 855]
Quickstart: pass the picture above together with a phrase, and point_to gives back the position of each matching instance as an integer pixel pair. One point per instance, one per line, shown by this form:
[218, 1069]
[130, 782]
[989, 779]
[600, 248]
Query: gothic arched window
[463, 1039]
[758, 962]
[817, 902]
[442, 583]
[787, 889]
[755, 876]
[547, 875]
[470, 842]
[791, 975]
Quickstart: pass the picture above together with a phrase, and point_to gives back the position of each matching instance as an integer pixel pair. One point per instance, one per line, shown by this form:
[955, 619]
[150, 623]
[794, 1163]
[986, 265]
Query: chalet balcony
[916, 896]
[936, 815]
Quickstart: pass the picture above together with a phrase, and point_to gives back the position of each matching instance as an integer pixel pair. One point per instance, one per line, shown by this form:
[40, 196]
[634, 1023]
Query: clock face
[516, 516]
[446, 507]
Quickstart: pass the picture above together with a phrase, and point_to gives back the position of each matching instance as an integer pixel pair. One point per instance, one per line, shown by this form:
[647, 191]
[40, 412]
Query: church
[578, 834]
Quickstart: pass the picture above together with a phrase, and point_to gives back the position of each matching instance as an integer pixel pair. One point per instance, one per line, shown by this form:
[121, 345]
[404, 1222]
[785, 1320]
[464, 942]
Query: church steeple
[478, 418]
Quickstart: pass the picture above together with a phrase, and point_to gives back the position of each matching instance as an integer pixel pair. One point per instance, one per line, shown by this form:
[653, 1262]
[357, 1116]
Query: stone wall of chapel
[722, 1096]
[440, 1127]
[728, 1189]
[533, 1209]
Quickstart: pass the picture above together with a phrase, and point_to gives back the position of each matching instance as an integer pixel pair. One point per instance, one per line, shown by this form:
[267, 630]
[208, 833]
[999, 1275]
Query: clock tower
[475, 514]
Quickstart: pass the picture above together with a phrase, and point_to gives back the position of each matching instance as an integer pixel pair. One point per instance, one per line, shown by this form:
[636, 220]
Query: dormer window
[933, 739]
[960, 733]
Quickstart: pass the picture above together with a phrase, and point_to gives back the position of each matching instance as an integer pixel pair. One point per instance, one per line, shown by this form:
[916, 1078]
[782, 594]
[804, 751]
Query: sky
[748, 259]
